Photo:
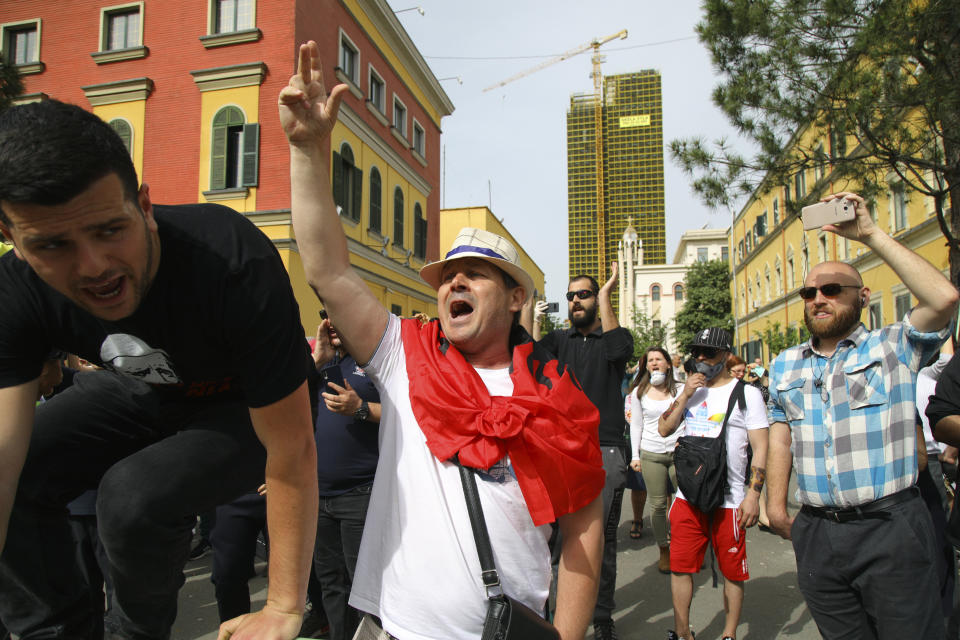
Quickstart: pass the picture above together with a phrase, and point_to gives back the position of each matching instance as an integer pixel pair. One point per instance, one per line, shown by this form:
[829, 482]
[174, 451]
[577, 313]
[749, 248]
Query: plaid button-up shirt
[852, 415]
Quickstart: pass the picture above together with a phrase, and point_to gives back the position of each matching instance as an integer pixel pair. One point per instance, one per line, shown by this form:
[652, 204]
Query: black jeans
[615, 464]
[234, 541]
[157, 464]
[339, 529]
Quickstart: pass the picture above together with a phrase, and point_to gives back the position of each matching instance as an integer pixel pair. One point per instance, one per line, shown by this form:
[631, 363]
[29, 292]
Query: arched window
[235, 152]
[376, 197]
[419, 232]
[655, 293]
[398, 217]
[678, 292]
[347, 183]
[125, 131]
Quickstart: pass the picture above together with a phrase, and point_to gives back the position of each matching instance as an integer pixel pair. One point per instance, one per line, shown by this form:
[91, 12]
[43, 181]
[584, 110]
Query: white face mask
[657, 378]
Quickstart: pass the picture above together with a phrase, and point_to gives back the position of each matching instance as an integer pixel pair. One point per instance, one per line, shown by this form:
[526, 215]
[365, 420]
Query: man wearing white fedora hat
[472, 387]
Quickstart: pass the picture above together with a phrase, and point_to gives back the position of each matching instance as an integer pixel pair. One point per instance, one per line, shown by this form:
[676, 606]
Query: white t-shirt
[703, 417]
[644, 421]
[418, 569]
[926, 387]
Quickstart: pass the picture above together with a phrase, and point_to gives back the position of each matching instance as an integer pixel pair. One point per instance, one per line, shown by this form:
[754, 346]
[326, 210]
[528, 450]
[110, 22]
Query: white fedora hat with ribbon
[483, 245]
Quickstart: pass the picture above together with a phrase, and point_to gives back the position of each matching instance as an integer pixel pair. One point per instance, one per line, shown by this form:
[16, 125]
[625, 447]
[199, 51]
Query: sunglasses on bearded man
[829, 290]
[583, 294]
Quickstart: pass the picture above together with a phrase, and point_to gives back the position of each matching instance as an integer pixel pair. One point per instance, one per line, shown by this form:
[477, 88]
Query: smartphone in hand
[332, 373]
[833, 212]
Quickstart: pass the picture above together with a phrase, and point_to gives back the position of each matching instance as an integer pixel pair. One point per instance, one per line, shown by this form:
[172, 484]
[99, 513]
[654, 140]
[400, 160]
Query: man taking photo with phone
[842, 409]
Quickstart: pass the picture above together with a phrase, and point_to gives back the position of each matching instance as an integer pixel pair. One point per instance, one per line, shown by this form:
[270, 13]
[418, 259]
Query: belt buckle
[834, 514]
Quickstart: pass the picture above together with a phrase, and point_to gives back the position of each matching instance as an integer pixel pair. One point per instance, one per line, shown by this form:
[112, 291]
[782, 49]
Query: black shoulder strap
[489, 575]
[737, 396]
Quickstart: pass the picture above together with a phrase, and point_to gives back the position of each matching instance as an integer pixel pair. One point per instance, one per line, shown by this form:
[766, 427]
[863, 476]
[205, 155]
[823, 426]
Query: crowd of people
[380, 459]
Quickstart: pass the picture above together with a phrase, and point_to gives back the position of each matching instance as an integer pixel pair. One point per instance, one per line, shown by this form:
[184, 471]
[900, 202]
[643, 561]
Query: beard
[840, 325]
[586, 320]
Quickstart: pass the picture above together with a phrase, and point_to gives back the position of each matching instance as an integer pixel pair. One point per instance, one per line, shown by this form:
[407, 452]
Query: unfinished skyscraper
[628, 131]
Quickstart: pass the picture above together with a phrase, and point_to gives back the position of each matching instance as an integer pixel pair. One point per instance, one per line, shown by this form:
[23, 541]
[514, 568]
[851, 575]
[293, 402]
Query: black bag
[506, 618]
[701, 463]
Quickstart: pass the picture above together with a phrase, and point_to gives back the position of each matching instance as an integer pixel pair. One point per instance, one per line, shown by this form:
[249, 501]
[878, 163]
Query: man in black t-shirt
[204, 394]
[597, 348]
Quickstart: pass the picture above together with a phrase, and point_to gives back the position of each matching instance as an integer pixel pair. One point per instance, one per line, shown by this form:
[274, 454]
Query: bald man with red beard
[842, 408]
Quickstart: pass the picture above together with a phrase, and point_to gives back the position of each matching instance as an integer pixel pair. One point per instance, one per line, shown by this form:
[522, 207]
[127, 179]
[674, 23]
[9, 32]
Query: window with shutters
[376, 199]
[419, 232]
[399, 117]
[125, 131]
[902, 304]
[122, 29]
[378, 92]
[349, 59]
[233, 15]
[235, 151]
[21, 43]
[347, 183]
[419, 138]
[398, 217]
[799, 184]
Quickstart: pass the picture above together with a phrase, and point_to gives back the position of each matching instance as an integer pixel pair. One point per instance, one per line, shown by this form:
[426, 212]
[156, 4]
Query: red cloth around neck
[549, 427]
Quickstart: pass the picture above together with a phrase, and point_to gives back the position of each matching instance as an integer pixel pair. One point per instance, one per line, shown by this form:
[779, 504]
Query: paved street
[773, 606]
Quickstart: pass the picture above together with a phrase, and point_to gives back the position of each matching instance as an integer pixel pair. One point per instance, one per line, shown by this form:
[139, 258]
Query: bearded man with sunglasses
[842, 410]
[597, 349]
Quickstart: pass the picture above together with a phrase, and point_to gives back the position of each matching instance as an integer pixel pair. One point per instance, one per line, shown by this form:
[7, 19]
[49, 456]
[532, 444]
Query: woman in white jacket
[651, 395]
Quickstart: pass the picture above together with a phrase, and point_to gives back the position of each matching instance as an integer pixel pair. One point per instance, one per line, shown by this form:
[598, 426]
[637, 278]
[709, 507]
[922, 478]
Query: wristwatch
[362, 413]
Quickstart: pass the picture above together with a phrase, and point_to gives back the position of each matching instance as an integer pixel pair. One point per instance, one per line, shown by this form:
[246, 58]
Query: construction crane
[597, 59]
[597, 76]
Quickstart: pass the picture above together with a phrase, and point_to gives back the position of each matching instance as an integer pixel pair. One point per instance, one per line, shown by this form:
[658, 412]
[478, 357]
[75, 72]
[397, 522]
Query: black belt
[875, 509]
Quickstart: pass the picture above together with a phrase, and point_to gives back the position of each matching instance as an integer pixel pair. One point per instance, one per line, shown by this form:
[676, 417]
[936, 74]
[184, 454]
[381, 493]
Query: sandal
[635, 529]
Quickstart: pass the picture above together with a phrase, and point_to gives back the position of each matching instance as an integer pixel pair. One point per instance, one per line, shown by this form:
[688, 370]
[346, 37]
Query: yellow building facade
[452, 220]
[772, 254]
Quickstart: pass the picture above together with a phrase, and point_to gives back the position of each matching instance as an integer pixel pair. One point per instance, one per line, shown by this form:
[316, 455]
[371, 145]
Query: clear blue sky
[514, 138]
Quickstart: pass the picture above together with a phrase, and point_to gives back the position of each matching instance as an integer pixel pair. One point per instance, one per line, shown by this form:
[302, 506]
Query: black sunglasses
[583, 294]
[706, 352]
[830, 290]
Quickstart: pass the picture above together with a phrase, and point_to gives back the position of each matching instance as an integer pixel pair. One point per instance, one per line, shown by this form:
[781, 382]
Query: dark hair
[511, 283]
[642, 381]
[51, 151]
[593, 282]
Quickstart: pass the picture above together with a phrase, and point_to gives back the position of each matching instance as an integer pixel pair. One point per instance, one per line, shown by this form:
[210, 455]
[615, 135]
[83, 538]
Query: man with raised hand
[471, 386]
[597, 348]
[190, 310]
[843, 413]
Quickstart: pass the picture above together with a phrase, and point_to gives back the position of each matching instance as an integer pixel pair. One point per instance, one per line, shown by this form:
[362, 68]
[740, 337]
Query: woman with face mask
[652, 393]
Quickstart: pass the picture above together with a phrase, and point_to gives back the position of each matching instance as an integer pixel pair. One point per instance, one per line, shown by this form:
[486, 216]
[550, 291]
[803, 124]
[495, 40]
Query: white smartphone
[833, 212]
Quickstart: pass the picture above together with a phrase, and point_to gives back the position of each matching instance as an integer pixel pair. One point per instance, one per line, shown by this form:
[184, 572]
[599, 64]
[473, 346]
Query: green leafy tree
[10, 84]
[878, 79]
[645, 334]
[778, 339]
[707, 286]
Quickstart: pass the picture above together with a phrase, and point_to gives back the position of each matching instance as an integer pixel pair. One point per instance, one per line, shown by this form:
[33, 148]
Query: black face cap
[713, 337]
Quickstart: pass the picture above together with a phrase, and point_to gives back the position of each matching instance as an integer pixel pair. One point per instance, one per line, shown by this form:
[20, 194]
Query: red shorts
[690, 531]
